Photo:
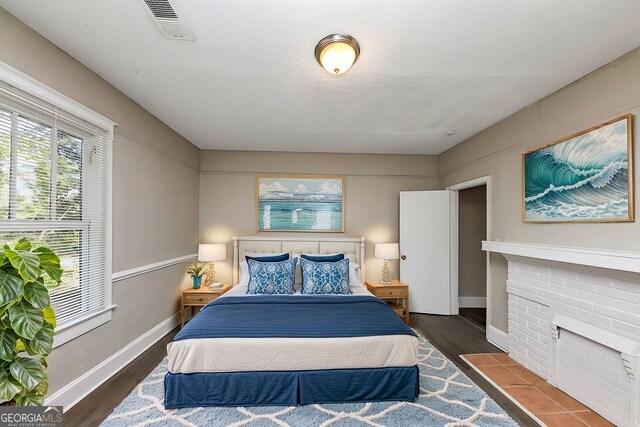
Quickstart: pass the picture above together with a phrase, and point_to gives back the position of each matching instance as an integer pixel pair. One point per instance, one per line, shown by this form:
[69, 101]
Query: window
[55, 190]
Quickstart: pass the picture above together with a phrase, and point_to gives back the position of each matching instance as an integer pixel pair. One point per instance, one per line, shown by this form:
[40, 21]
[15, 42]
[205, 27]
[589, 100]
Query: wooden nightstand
[198, 298]
[393, 292]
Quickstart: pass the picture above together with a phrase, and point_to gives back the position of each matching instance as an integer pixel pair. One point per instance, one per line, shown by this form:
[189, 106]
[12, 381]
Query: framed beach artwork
[586, 177]
[300, 203]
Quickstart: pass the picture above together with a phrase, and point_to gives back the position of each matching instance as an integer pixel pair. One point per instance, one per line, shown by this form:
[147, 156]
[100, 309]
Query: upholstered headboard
[352, 248]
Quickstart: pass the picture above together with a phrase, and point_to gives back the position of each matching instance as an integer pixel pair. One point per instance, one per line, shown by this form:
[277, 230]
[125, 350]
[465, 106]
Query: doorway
[476, 247]
[472, 261]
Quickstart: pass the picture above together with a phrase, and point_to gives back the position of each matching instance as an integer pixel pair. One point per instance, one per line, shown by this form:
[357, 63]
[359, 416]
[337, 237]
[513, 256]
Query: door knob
[403, 257]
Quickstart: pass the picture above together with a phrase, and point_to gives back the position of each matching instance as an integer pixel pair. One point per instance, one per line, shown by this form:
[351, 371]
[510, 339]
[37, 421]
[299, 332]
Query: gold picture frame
[305, 203]
[589, 176]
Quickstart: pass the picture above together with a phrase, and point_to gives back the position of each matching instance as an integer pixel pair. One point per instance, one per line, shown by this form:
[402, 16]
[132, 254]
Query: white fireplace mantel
[614, 260]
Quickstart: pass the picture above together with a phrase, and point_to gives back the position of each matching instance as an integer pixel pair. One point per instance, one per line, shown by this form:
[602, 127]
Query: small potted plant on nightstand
[196, 271]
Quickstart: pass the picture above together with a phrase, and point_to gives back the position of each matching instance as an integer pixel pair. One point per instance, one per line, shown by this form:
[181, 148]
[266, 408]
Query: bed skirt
[287, 388]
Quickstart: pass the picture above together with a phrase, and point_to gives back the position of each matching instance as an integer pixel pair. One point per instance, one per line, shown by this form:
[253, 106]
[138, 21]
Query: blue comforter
[294, 316]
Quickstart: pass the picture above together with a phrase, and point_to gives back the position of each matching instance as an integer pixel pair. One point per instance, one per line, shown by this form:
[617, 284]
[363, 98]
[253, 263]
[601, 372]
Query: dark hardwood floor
[97, 406]
[475, 316]
[452, 335]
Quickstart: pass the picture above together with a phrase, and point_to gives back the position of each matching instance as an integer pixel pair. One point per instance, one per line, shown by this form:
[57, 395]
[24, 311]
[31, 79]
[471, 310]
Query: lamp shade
[387, 251]
[212, 252]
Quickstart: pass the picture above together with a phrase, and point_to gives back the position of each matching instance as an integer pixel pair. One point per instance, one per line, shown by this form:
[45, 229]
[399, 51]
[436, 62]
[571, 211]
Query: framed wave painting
[307, 204]
[587, 177]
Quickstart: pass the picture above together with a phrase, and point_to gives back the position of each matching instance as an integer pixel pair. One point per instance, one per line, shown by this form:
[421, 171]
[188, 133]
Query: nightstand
[198, 298]
[393, 293]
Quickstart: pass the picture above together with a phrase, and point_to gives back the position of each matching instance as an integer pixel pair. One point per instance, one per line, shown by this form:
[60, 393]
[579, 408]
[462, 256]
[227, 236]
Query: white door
[428, 250]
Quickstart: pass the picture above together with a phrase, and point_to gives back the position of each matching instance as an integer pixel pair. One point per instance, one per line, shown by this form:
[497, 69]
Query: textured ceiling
[250, 82]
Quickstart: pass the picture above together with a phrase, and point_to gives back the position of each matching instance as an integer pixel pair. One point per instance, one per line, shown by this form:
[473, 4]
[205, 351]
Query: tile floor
[550, 405]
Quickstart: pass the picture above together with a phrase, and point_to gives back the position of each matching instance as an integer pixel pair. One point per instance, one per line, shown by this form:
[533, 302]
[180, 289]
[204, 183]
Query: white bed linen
[291, 354]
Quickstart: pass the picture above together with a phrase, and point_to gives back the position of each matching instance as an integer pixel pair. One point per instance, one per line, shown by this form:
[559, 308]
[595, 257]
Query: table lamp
[387, 251]
[210, 253]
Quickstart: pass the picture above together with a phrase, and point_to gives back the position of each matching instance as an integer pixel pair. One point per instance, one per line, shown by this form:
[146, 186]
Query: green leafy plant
[27, 321]
[196, 270]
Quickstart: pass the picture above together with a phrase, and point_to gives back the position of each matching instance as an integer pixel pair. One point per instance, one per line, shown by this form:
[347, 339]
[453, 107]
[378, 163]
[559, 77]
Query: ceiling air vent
[167, 20]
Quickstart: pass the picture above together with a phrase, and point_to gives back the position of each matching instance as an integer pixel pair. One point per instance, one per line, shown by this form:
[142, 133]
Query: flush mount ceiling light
[337, 53]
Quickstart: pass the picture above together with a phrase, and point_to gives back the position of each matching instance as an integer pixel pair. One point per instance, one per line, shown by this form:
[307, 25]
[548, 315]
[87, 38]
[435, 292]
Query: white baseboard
[79, 388]
[472, 302]
[498, 338]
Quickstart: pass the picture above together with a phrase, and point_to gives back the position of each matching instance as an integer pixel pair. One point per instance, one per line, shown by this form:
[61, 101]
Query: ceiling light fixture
[337, 53]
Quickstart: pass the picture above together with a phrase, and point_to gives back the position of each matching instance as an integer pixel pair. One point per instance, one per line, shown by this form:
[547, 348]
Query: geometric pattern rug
[447, 398]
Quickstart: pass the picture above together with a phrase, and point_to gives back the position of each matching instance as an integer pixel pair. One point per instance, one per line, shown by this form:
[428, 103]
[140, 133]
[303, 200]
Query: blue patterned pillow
[325, 277]
[268, 278]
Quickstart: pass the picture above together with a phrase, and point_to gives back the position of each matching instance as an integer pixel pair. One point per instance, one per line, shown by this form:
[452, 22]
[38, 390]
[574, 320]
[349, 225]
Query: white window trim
[35, 88]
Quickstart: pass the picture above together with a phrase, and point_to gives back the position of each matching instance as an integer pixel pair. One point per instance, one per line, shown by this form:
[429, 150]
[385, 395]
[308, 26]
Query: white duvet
[291, 354]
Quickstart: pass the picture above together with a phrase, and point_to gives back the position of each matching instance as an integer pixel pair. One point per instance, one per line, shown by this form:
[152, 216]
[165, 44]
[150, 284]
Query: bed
[248, 350]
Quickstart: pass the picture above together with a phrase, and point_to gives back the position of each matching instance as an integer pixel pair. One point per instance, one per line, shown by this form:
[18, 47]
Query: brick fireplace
[574, 319]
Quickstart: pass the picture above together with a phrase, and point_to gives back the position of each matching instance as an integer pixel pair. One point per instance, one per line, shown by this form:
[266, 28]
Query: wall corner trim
[143, 269]
[78, 389]
[498, 338]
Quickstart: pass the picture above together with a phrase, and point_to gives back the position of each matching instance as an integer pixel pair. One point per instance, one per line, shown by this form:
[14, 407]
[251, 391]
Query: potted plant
[196, 271]
[27, 322]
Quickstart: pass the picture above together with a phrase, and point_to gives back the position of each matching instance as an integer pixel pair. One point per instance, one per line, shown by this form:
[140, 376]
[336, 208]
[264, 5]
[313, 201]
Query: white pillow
[354, 275]
[244, 274]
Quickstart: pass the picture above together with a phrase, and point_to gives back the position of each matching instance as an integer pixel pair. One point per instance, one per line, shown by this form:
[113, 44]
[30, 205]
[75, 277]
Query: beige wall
[472, 230]
[607, 93]
[155, 200]
[227, 194]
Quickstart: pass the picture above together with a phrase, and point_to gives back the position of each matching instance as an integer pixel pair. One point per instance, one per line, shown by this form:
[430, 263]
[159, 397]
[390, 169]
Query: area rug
[447, 398]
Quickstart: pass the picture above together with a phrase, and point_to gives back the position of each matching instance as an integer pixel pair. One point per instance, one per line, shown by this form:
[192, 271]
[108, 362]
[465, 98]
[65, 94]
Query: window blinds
[54, 191]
